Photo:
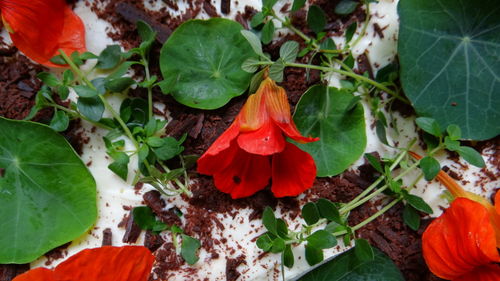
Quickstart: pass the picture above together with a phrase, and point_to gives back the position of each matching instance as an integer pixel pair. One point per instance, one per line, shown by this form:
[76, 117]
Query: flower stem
[352, 75]
[365, 26]
[101, 97]
[377, 214]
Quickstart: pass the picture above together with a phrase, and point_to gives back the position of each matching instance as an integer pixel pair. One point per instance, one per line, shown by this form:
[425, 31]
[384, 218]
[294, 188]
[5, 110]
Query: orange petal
[294, 171]
[37, 274]
[40, 27]
[267, 140]
[460, 240]
[457, 191]
[490, 272]
[247, 173]
[73, 36]
[279, 110]
[128, 263]
[224, 140]
[254, 114]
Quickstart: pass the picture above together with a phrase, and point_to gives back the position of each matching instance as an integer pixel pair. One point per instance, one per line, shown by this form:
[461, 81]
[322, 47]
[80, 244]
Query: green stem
[365, 26]
[289, 25]
[104, 101]
[350, 74]
[150, 89]
[354, 201]
[377, 214]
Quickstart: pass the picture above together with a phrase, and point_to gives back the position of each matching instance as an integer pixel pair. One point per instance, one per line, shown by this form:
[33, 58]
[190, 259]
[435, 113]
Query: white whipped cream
[114, 193]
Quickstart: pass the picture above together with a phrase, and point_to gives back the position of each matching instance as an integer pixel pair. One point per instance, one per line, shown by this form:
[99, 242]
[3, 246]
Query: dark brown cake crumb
[107, 237]
[10, 271]
[132, 230]
[232, 273]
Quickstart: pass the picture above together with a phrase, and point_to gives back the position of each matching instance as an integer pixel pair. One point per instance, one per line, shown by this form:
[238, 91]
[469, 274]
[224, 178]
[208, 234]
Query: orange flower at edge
[254, 149]
[128, 263]
[461, 245]
[39, 28]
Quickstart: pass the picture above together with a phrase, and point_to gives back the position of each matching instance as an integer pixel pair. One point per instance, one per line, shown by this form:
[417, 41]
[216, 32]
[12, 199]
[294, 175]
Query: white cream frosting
[114, 193]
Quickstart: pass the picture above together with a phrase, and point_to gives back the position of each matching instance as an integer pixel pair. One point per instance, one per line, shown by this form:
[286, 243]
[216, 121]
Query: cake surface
[227, 228]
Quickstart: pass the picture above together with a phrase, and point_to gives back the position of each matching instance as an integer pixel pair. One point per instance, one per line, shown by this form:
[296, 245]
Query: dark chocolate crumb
[107, 237]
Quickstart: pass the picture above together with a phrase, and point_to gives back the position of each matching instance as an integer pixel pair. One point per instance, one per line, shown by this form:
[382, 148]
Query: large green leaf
[347, 267]
[323, 112]
[47, 195]
[450, 62]
[201, 62]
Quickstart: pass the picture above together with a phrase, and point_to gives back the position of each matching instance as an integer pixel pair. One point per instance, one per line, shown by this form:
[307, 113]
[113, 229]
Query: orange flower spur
[462, 244]
[39, 28]
[254, 149]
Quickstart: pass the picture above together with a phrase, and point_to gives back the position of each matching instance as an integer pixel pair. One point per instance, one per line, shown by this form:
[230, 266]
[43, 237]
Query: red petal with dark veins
[267, 140]
[37, 274]
[294, 171]
[224, 140]
[41, 27]
[460, 240]
[128, 263]
[246, 174]
[490, 272]
[209, 164]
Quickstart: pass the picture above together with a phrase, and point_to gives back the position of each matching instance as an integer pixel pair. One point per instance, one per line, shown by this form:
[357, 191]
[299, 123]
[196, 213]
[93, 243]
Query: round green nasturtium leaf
[47, 194]
[449, 53]
[348, 267]
[325, 112]
[201, 63]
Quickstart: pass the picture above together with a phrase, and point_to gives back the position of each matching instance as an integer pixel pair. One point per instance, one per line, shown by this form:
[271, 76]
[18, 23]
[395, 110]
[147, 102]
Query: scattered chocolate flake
[2, 172]
[154, 201]
[167, 260]
[56, 253]
[210, 9]
[153, 241]
[378, 30]
[225, 6]
[232, 273]
[364, 65]
[133, 15]
[107, 237]
[10, 271]
[132, 230]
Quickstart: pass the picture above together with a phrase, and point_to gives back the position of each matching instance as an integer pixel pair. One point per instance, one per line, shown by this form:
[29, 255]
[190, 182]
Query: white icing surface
[113, 193]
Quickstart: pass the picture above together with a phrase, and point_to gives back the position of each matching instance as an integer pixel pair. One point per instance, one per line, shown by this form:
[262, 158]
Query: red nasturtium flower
[128, 263]
[461, 245]
[39, 28]
[254, 149]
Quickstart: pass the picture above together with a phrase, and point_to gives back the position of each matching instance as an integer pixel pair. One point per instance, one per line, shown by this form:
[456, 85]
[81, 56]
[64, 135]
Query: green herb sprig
[134, 120]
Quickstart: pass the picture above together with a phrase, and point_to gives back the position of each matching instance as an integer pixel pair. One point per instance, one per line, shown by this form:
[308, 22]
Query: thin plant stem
[352, 75]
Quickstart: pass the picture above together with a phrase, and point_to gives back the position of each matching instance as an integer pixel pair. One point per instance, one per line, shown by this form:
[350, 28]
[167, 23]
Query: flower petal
[246, 174]
[294, 171]
[490, 272]
[279, 111]
[460, 240]
[224, 140]
[128, 263]
[40, 27]
[265, 141]
[37, 274]
[209, 164]
[253, 114]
